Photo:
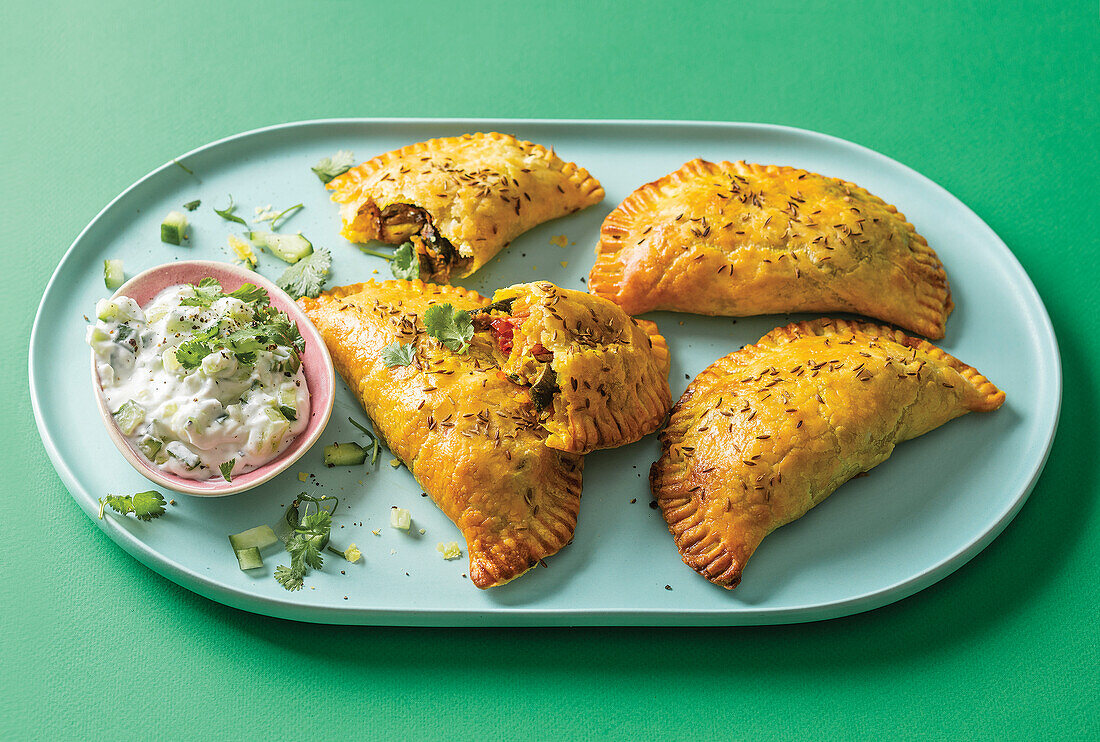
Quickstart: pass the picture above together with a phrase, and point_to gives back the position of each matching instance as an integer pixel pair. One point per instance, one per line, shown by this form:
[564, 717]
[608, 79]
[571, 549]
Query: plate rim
[286, 608]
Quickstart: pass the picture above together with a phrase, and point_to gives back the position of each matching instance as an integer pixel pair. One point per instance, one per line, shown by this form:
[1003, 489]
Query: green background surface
[996, 102]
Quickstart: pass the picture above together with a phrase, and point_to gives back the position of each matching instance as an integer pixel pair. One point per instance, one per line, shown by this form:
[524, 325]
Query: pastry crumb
[560, 240]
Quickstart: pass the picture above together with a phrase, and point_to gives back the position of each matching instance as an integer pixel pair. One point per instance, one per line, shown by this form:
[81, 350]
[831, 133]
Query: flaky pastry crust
[611, 370]
[741, 239]
[457, 422]
[768, 432]
[478, 191]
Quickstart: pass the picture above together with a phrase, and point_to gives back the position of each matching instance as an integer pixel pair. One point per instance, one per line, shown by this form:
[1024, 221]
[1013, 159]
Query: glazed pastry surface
[458, 423]
[741, 239]
[460, 200]
[610, 370]
[768, 432]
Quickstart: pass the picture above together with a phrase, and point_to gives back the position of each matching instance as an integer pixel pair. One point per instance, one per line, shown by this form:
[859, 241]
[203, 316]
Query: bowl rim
[319, 413]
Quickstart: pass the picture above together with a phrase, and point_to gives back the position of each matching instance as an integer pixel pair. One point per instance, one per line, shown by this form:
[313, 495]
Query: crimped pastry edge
[667, 477]
[605, 278]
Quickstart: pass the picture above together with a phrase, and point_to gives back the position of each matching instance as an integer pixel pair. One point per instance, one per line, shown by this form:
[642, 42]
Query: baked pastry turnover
[768, 432]
[597, 377]
[465, 431]
[741, 239]
[459, 200]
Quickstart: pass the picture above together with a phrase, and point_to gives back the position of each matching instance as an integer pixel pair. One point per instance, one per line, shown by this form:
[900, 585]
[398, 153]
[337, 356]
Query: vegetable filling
[399, 223]
[530, 362]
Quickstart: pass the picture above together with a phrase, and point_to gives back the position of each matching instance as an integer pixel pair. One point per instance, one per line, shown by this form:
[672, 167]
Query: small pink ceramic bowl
[316, 365]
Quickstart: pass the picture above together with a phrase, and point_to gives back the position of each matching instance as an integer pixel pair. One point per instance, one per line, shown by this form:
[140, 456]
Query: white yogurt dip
[202, 383]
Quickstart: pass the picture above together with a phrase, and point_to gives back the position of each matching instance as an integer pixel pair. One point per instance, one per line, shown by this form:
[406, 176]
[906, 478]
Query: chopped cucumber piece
[400, 518]
[173, 227]
[259, 537]
[249, 558]
[113, 277]
[186, 456]
[275, 429]
[107, 310]
[288, 412]
[168, 358]
[129, 416]
[150, 447]
[287, 247]
[345, 454]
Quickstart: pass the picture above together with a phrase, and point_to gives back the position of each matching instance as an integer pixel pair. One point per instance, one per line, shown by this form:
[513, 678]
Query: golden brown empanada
[766, 433]
[597, 377]
[463, 429]
[739, 239]
[460, 200]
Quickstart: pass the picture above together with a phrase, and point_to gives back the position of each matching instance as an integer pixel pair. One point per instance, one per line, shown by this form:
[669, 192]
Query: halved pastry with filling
[740, 239]
[596, 377]
[466, 432]
[768, 432]
[459, 200]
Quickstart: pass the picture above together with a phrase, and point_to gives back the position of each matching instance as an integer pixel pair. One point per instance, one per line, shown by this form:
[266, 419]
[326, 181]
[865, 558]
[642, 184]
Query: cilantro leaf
[148, 505]
[190, 353]
[228, 214]
[307, 276]
[406, 263]
[289, 577]
[192, 205]
[207, 291]
[329, 167]
[452, 327]
[144, 505]
[121, 504]
[395, 354]
[250, 294]
[227, 469]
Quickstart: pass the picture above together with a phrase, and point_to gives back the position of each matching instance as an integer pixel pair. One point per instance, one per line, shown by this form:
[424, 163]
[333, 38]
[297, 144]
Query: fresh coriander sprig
[395, 354]
[227, 469]
[406, 263]
[309, 535]
[144, 505]
[451, 327]
[330, 167]
[308, 276]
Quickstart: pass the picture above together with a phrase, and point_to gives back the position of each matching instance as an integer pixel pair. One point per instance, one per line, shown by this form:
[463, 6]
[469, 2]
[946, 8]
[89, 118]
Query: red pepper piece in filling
[503, 329]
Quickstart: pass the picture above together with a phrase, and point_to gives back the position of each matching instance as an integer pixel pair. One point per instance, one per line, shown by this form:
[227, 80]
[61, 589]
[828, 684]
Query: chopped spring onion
[173, 228]
[113, 276]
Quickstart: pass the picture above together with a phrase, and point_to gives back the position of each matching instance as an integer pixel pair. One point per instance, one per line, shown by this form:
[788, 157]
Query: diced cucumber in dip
[200, 380]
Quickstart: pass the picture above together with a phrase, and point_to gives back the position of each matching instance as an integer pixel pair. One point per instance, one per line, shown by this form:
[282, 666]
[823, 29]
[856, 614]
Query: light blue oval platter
[916, 518]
